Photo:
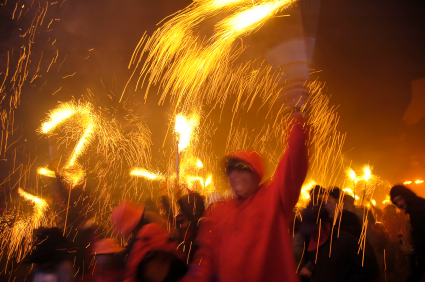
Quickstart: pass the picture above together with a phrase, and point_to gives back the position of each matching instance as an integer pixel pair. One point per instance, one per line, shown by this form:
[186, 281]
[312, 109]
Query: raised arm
[292, 168]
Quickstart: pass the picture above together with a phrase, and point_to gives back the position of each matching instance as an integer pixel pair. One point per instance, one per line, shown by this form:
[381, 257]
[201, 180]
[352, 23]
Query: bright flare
[351, 174]
[185, 127]
[367, 173]
[146, 174]
[199, 163]
[252, 17]
[407, 182]
[419, 181]
[373, 202]
[208, 181]
[46, 172]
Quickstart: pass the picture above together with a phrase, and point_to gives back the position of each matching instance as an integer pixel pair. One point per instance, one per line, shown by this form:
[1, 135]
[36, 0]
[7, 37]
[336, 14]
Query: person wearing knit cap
[414, 206]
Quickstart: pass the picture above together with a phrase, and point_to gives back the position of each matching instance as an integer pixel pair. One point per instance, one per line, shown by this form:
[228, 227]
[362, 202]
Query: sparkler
[19, 237]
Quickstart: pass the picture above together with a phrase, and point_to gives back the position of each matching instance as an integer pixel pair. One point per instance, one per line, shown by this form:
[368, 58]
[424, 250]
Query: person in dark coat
[333, 256]
[414, 206]
[191, 207]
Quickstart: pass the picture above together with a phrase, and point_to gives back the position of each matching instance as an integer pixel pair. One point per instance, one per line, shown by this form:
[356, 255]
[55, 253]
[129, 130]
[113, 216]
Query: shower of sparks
[185, 127]
[146, 174]
[193, 68]
[46, 172]
[72, 170]
[19, 238]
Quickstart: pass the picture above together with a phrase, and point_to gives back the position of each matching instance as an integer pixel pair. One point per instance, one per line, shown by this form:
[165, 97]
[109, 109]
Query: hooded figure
[414, 206]
[154, 257]
[246, 238]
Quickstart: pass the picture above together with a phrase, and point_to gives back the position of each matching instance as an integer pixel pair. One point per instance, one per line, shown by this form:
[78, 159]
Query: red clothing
[248, 239]
[150, 238]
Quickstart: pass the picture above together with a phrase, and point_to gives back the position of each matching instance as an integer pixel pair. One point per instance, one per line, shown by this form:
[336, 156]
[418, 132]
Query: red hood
[151, 237]
[253, 158]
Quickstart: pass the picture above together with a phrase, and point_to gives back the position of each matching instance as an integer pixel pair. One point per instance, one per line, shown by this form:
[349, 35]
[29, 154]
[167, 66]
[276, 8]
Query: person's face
[243, 182]
[400, 202]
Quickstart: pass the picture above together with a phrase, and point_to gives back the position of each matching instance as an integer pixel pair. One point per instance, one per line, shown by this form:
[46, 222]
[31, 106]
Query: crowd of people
[253, 236]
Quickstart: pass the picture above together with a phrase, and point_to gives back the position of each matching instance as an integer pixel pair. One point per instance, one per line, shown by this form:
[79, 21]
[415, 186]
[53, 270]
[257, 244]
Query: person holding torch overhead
[246, 238]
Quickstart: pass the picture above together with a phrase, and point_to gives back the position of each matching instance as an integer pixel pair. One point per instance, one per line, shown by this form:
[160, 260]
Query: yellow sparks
[419, 181]
[146, 174]
[407, 182]
[367, 173]
[184, 128]
[40, 205]
[72, 170]
[57, 116]
[199, 163]
[46, 172]
[251, 18]
[191, 179]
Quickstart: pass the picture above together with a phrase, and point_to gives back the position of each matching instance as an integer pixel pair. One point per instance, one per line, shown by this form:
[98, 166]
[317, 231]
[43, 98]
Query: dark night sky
[367, 52]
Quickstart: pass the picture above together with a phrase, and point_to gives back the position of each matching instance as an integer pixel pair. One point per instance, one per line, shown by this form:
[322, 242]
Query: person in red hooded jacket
[246, 238]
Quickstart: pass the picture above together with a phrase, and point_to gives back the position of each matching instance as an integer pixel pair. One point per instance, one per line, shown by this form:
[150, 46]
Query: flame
[407, 182]
[146, 174]
[351, 174]
[367, 173]
[185, 127]
[46, 172]
[419, 181]
[373, 202]
[199, 163]
[305, 193]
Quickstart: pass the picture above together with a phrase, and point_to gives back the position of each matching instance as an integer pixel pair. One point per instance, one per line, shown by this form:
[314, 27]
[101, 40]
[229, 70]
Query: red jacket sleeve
[292, 168]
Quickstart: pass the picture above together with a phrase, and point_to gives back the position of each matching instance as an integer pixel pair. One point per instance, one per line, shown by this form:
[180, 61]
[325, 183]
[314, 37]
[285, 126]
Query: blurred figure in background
[48, 257]
[154, 257]
[414, 206]
[333, 256]
[191, 207]
[107, 267]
